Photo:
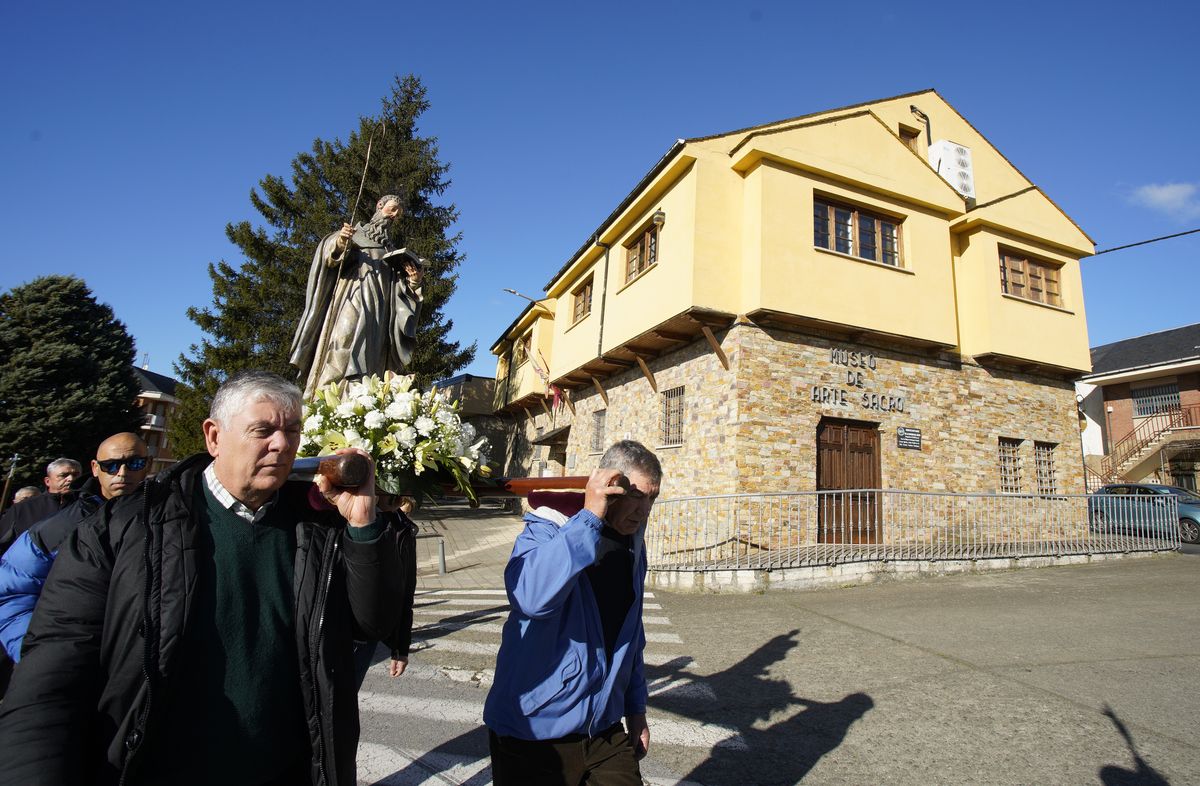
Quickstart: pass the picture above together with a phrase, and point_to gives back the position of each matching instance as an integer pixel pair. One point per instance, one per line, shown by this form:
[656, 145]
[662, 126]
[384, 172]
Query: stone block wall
[753, 428]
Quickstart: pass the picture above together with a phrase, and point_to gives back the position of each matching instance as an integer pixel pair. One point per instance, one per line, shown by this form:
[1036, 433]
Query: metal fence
[804, 529]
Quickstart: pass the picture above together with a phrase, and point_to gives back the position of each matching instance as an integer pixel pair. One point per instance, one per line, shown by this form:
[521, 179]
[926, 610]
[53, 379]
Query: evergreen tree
[256, 307]
[67, 380]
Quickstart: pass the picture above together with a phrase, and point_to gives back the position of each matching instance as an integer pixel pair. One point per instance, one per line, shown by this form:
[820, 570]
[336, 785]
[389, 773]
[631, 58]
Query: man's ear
[212, 434]
[95, 469]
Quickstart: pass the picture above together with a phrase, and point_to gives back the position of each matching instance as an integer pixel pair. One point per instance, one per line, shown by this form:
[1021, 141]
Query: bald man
[121, 464]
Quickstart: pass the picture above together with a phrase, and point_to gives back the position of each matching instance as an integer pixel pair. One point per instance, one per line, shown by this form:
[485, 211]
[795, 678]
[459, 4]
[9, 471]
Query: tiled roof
[155, 383]
[1153, 349]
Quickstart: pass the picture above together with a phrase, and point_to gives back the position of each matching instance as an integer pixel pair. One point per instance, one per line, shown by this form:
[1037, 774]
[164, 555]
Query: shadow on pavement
[1143, 775]
[746, 697]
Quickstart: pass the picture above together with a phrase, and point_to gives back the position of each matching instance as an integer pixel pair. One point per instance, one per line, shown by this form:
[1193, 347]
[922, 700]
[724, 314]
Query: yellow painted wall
[575, 344]
[992, 322]
[665, 289]
[915, 299]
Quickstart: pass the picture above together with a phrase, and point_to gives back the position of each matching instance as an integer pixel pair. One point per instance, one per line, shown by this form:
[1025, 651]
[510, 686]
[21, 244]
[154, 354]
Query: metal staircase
[1150, 435]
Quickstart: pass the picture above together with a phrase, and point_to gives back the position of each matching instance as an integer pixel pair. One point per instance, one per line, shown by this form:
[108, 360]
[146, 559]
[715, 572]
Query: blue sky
[132, 132]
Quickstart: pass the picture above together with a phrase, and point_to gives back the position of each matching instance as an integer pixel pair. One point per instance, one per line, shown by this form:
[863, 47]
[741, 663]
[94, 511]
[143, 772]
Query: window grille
[671, 424]
[1010, 466]
[1155, 400]
[599, 417]
[1043, 463]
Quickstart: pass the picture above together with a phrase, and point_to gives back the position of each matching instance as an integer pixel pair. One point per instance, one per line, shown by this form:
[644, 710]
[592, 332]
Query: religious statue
[361, 305]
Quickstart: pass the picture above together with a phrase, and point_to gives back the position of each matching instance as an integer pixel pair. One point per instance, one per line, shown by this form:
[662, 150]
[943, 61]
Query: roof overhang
[556, 436]
[1138, 373]
[1027, 366]
[765, 317]
[678, 331]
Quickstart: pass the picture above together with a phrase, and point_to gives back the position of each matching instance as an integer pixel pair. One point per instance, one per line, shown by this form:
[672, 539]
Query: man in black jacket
[60, 474]
[200, 630]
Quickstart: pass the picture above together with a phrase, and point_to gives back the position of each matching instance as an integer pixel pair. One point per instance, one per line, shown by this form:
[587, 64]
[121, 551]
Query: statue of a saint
[361, 305]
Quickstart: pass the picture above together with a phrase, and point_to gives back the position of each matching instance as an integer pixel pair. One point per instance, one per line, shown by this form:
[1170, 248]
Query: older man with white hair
[199, 630]
[60, 474]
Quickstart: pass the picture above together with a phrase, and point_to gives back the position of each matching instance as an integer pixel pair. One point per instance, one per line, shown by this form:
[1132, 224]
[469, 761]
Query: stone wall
[753, 428]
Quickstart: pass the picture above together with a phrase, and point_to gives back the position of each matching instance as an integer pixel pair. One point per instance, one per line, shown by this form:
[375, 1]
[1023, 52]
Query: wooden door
[848, 470]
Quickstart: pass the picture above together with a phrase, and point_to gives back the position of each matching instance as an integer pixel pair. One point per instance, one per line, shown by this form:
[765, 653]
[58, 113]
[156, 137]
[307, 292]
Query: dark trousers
[604, 760]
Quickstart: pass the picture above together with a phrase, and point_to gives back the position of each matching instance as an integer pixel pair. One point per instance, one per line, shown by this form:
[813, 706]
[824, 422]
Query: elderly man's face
[114, 465]
[628, 512]
[254, 452]
[59, 480]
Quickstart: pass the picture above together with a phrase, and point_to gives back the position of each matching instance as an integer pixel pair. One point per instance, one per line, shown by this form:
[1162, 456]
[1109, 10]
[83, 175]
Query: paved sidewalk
[478, 542]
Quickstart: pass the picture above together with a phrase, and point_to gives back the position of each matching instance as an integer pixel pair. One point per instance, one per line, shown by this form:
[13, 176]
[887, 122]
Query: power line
[1144, 242]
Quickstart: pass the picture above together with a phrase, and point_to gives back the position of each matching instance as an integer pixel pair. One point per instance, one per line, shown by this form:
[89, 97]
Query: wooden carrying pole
[520, 487]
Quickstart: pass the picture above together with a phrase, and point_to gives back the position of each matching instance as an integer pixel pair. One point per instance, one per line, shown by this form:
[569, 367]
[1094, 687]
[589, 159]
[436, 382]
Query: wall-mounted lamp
[659, 218]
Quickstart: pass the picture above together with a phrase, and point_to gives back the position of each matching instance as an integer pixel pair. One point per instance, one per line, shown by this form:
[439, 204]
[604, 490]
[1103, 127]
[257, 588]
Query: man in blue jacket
[121, 463]
[570, 662]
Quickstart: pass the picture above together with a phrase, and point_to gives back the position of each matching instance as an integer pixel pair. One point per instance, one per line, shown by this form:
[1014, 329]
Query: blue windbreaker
[25, 565]
[553, 677]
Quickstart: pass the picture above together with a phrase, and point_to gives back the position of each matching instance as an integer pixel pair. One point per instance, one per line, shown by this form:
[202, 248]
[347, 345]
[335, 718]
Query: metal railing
[803, 529]
[1148, 431]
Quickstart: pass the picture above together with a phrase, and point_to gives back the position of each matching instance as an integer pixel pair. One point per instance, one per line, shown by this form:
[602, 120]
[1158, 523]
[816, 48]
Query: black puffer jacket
[87, 700]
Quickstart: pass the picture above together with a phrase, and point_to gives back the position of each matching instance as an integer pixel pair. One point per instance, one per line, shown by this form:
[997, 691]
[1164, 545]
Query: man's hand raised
[601, 486]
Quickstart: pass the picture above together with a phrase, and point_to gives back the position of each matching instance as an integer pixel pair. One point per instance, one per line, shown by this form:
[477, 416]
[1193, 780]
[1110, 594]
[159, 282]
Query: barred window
[1010, 466]
[1043, 463]
[671, 423]
[1155, 400]
[641, 252]
[599, 418]
[856, 232]
[583, 300]
[1031, 279]
[537, 449]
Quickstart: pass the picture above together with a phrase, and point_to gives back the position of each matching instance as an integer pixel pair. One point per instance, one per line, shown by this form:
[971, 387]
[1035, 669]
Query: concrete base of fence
[855, 573]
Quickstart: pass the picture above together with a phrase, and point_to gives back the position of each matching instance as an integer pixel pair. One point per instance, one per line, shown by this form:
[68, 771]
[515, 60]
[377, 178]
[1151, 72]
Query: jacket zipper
[322, 596]
[133, 743]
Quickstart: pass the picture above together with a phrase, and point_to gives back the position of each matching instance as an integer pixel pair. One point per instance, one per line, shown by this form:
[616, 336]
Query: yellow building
[866, 297]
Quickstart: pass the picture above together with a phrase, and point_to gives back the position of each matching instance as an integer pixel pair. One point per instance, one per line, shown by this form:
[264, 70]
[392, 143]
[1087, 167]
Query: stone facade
[752, 428]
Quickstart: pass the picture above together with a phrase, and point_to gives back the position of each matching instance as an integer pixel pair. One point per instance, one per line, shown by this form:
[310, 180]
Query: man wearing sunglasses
[121, 463]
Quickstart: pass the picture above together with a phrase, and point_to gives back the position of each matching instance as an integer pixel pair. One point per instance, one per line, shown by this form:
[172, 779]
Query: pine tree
[256, 307]
[67, 380]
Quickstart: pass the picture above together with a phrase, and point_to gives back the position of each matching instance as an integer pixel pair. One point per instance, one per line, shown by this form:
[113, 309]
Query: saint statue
[361, 305]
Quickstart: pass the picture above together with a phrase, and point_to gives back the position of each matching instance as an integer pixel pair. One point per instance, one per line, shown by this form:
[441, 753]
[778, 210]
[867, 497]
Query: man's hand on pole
[603, 484]
[357, 505]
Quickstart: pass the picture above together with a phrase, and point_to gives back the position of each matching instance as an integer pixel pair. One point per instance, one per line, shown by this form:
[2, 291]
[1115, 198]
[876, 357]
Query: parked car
[1136, 509]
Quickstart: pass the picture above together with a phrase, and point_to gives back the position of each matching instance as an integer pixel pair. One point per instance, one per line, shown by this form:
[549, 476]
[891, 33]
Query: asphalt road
[1082, 674]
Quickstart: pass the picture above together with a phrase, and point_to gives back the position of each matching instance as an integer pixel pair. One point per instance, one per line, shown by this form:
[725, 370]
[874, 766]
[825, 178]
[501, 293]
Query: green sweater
[237, 715]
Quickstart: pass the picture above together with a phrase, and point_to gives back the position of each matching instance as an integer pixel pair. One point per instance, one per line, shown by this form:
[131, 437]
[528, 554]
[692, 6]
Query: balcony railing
[773, 531]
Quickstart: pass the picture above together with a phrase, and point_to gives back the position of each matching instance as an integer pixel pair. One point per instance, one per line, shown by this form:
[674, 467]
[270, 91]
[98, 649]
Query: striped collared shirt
[228, 501]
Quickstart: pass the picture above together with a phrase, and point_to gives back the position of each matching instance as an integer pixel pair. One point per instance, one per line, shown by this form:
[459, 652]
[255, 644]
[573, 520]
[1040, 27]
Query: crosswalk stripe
[462, 647]
[385, 766]
[664, 731]
[683, 688]
[444, 602]
[432, 611]
[480, 623]
[381, 765]
[663, 638]
[427, 593]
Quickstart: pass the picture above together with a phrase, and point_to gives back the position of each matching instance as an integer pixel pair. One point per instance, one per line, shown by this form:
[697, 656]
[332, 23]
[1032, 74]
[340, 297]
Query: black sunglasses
[113, 466]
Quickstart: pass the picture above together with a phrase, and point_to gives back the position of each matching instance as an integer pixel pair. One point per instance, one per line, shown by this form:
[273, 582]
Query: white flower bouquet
[418, 440]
